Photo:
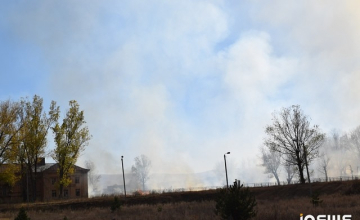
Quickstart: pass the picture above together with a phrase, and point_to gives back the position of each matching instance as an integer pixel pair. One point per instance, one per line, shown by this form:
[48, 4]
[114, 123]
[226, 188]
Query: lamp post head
[122, 157]
[228, 153]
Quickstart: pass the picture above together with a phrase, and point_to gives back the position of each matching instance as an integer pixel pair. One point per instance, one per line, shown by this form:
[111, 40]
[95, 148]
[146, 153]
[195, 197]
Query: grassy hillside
[276, 202]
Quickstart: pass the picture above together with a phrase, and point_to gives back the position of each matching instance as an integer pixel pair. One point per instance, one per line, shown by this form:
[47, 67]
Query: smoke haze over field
[183, 82]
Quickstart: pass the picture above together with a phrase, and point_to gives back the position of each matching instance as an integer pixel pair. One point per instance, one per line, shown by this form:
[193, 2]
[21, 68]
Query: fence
[313, 180]
[263, 184]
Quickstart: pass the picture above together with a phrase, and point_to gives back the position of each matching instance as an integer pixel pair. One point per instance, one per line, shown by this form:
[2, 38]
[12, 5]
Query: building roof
[54, 166]
[41, 168]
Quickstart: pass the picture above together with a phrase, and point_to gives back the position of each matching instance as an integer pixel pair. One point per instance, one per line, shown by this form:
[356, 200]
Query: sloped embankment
[261, 193]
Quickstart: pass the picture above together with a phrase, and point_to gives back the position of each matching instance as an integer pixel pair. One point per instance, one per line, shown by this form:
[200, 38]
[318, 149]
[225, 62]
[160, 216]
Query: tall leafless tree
[93, 177]
[141, 169]
[290, 170]
[324, 165]
[355, 141]
[343, 153]
[271, 160]
[291, 135]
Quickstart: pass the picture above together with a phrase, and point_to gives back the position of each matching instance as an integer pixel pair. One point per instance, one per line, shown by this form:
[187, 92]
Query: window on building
[66, 193]
[53, 181]
[4, 191]
[77, 192]
[77, 179]
[53, 193]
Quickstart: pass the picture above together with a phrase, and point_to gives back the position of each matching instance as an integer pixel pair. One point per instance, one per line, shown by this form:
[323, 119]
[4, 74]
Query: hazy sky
[184, 81]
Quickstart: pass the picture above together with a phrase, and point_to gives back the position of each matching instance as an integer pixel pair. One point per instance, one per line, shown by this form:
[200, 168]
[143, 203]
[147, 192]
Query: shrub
[137, 193]
[315, 200]
[116, 205]
[22, 215]
[236, 202]
[153, 192]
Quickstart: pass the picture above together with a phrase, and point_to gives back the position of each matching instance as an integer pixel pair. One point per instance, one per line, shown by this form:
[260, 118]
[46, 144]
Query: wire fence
[262, 184]
[313, 180]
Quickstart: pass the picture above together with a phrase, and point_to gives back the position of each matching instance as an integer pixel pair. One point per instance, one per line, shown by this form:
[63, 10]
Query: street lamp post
[227, 183]
[122, 164]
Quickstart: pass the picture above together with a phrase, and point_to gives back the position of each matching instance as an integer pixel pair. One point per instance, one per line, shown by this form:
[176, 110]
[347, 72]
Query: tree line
[293, 143]
[24, 128]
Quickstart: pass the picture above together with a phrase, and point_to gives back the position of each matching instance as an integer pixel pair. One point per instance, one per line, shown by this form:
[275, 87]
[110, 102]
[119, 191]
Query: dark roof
[41, 168]
[54, 166]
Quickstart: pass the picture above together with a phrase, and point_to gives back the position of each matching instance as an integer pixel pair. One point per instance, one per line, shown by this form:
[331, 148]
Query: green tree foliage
[115, 205]
[33, 136]
[22, 215]
[10, 126]
[71, 137]
[236, 202]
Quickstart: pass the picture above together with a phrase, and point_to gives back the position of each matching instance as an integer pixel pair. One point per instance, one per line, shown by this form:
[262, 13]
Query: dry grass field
[283, 203]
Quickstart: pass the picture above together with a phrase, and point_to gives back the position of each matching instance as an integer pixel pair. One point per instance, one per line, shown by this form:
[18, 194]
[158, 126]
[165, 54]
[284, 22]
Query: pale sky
[184, 81]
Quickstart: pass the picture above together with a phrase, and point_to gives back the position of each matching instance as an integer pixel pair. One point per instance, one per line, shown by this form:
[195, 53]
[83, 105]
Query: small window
[53, 181]
[77, 179]
[53, 193]
[77, 192]
[66, 193]
[4, 191]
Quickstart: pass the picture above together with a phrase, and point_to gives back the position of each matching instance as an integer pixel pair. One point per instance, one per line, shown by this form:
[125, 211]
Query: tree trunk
[277, 178]
[30, 183]
[34, 189]
[301, 172]
[23, 183]
[326, 176]
[61, 185]
[34, 181]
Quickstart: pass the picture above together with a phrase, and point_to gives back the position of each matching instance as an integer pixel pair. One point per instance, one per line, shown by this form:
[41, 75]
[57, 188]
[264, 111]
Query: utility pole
[122, 164]
[227, 183]
[27, 186]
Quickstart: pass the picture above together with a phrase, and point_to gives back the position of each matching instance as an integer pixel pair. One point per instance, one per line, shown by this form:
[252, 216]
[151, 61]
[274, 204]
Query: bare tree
[293, 137]
[343, 154]
[93, 177]
[271, 160]
[334, 140]
[141, 169]
[324, 165]
[355, 141]
[290, 170]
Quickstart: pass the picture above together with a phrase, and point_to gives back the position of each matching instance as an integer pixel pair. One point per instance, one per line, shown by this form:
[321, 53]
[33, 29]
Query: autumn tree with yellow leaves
[71, 138]
[33, 139]
[10, 125]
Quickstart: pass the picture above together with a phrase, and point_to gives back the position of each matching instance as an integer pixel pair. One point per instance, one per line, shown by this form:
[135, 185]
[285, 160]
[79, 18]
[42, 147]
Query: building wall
[79, 182]
[46, 185]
